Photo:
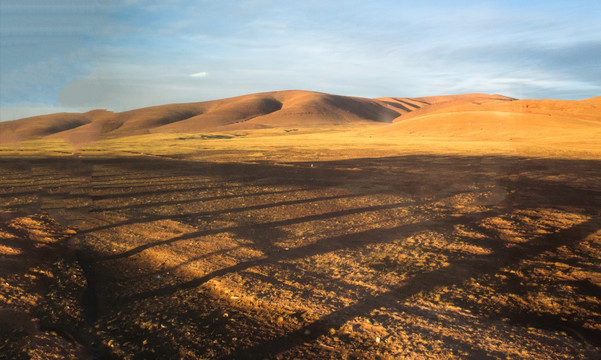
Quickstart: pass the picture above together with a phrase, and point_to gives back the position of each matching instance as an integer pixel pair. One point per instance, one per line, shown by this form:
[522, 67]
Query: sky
[78, 55]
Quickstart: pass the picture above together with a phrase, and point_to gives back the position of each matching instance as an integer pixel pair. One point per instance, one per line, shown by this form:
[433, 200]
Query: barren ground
[268, 252]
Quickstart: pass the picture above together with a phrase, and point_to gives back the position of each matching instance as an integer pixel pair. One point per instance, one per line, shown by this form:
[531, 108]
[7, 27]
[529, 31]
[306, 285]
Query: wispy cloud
[199, 74]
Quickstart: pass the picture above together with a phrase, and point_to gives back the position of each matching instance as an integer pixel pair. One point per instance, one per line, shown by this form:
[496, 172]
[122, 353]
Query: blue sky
[76, 55]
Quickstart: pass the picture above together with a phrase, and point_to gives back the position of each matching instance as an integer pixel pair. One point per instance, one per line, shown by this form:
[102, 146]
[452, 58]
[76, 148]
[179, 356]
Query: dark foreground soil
[412, 256]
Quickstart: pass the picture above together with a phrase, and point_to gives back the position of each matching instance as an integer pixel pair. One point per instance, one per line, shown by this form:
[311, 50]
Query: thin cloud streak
[199, 74]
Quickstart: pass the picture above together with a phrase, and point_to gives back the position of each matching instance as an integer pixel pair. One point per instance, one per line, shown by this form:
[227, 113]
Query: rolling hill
[505, 120]
[469, 116]
[304, 109]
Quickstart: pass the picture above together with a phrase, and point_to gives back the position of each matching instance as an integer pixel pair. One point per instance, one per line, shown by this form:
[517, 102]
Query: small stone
[307, 332]
[378, 339]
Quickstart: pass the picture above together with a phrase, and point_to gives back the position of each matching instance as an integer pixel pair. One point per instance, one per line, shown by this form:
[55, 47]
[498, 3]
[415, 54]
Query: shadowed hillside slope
[425, 105]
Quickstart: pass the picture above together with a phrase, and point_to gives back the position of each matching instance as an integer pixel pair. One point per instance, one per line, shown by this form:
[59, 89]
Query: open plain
[304, 225]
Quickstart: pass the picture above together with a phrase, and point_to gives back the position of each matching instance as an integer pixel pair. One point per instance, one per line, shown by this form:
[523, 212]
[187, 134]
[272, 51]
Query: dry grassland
[302, 243]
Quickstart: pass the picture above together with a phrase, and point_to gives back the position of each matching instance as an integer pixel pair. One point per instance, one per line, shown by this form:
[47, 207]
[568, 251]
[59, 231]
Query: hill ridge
[287, 108]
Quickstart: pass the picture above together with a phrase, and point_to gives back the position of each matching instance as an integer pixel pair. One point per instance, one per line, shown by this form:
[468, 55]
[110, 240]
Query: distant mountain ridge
[263, 110]
[293, 108]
